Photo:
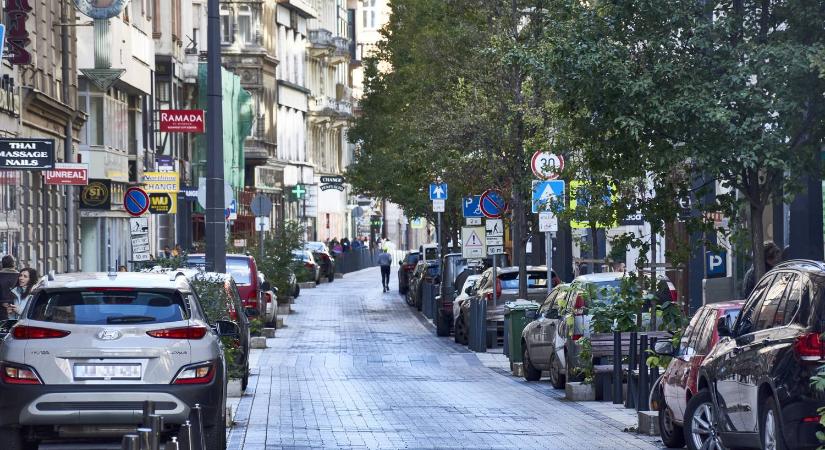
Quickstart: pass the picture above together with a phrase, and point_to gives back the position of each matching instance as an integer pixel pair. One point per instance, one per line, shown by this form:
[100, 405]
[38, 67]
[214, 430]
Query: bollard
[434, 298]
[130, 442]
[145, 438]
[426, 301]
[643, 388]
[197, 442]
[185, 436]
[654, 371]
[156, 425]
[617, 368]
[478, 325]
[631, 365]
[148, 409]
[172, 445]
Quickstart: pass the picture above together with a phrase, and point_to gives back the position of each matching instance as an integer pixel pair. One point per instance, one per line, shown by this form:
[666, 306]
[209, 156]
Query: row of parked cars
[741, 375]
[89, 348]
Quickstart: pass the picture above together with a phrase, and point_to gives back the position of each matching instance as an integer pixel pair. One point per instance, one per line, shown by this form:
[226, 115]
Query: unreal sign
[29, 154]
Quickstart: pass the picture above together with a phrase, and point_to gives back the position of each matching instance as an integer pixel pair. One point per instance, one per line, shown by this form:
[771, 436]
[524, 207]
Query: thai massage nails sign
[100, 9]
[26, 154]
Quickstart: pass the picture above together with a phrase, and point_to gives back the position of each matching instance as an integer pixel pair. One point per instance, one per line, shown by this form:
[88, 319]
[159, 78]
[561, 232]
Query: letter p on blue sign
[716, 264]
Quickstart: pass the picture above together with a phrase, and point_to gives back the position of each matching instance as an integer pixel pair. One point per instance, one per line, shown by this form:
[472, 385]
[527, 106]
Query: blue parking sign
[471, 206]
[716, 264]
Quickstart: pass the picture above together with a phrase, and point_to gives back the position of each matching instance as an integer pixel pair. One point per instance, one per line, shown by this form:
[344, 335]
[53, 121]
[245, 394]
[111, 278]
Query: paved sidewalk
[356, 368]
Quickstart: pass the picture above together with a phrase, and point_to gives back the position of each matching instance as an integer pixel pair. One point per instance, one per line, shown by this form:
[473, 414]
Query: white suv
[90, 348]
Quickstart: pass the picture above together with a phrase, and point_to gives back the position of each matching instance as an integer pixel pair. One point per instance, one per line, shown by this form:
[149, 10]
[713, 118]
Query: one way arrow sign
[438, 191]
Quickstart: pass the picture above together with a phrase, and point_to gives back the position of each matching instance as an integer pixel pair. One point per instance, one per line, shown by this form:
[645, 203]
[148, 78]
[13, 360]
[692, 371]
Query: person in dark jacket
[8, 281]
[773, 255]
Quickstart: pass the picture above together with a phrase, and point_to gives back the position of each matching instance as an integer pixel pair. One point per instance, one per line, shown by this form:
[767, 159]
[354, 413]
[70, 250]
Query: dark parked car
[324, 258]
[405, 270]
[424, 272]
[678, 384]
[453, 264]
[755, 385]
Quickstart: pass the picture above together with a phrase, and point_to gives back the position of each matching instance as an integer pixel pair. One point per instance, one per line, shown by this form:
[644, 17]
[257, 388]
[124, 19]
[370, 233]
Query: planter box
[279, 323]
[284, 300]
[580, 392]
[518, 369]
[233, 388]
[338, 276]
[649, 423]
[230, 416]
[257, 342]
[268, 332]
[307, 285]
[283, 310]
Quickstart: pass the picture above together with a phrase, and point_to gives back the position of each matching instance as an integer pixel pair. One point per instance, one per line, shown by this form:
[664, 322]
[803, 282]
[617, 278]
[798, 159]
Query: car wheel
[460, 331]
[12, 439]
[442, 324]
[557, 379]
[331, 277]
[530, 371]
[297, 291]
[673, 435]
[770, 427]
[700, 423]
[215, 436]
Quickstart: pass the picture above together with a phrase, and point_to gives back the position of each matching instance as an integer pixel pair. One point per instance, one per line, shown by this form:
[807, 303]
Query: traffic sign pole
[548, 244]
[261, 245]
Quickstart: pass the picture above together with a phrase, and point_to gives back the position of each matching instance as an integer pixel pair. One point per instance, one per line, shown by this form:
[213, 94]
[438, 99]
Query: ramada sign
[181, 121]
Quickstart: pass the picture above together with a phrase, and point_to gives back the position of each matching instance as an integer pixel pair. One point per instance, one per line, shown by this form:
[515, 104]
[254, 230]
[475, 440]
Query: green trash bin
[515, 319]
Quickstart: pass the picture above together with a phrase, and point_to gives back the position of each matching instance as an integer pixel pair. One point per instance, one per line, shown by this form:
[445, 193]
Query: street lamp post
[215, 222]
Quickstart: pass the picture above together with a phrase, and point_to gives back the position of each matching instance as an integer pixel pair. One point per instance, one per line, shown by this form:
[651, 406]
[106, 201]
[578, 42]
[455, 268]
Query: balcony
[340, 53]
[321, 42]
[329, 107]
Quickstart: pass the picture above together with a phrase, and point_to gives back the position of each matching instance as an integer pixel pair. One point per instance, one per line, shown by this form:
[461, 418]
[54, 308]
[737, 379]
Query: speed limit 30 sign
[546, 165]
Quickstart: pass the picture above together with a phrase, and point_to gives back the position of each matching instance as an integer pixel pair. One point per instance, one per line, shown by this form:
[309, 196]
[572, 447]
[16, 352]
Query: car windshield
[602, 290]
[108, 307]
[535, 280]
[430, 253]
[300, 255]
[319, 247]
[411, 258]
[237, 267]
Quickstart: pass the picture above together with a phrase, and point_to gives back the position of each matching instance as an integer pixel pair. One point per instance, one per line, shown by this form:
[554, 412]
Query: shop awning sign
[26, 154]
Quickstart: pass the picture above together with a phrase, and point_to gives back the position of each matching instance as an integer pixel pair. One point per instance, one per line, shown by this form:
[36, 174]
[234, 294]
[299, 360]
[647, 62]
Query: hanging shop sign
[17, 36]
[160, 203]
[28, 154]
[100, 9]
[68, 174]
[96, 195]
[332, 182]
[182, 121]
[163, 183]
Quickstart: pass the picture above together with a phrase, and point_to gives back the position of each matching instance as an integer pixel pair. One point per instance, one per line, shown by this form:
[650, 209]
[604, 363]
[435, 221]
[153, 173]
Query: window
[551, 301]
[103, 306]
[793, 297]
[704, 335]
[686, 344]
[226, 25]
[245, 24]
[746, 319]
[772, 302]
[369, 12]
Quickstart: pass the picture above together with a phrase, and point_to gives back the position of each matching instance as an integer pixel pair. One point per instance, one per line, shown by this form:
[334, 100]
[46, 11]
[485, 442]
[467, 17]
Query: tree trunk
[757, 238]
[518, 231]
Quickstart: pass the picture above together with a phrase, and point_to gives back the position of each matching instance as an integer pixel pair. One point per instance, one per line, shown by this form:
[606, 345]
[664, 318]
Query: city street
[355, 368]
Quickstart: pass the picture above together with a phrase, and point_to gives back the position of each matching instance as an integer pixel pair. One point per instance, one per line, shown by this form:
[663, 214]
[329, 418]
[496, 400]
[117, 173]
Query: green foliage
[172, 262]
[278, 264]
[585, 366]
[256, 326]
[214, 298]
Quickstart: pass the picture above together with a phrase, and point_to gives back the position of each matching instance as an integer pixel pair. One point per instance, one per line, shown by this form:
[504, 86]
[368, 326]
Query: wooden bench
[602, 346]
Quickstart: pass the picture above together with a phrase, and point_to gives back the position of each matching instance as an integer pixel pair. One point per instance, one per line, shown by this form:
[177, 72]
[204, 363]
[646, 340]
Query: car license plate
[107, 371]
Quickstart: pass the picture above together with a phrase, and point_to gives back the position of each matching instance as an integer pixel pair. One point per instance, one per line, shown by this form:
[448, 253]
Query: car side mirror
[226, 328]
[664, 348]
[722, 328]
[553, 313]
[469, 290]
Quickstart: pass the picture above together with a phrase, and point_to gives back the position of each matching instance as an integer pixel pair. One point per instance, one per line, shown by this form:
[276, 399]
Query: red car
[245, 272]
[677, 385]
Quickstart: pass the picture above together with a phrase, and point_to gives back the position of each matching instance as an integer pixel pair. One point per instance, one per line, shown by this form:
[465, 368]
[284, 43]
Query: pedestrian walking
[385, 261]
[773, 255]
[8, 280]
[22, 292]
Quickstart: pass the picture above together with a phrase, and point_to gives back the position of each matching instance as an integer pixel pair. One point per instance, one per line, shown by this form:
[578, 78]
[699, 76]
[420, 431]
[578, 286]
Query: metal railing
[355, 260]
[148, 436]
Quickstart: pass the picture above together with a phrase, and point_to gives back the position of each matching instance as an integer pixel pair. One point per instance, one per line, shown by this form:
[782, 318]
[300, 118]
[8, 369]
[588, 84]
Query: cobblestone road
[356, 368]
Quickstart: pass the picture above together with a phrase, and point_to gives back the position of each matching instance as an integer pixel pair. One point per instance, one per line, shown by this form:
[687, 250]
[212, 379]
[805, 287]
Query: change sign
[28, 154]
